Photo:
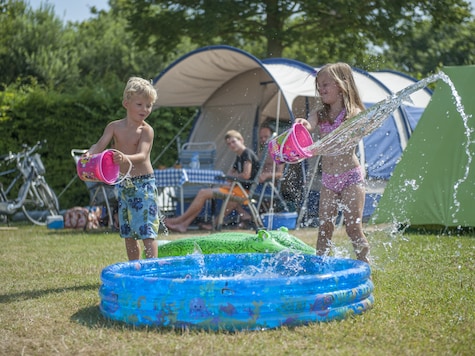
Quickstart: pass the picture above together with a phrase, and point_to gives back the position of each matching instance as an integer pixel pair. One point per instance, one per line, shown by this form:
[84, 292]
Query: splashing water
[284, 263]
[468, 131]
[352, 131]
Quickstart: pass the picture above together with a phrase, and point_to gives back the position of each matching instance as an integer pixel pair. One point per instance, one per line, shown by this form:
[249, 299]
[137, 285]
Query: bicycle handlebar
[27, 151]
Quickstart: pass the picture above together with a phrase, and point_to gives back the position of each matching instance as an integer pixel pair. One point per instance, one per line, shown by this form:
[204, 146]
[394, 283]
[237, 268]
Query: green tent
[434, 182]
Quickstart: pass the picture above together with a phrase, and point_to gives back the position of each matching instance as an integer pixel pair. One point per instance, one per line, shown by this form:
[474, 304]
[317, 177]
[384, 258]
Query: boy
[133, 138]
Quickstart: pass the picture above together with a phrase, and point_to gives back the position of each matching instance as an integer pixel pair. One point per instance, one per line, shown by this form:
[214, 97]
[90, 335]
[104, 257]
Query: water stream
[352, 131]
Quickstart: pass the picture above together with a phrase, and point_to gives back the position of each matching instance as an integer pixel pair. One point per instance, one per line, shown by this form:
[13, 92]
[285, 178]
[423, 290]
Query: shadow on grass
[93, 319]
[34, 294]
[82, 231]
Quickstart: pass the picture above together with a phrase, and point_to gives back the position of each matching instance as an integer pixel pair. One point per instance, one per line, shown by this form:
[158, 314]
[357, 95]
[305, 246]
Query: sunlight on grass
[424, 301]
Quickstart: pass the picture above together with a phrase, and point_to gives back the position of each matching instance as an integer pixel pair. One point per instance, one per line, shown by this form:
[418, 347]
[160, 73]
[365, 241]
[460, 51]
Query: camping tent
[434, 183]
[235, 90]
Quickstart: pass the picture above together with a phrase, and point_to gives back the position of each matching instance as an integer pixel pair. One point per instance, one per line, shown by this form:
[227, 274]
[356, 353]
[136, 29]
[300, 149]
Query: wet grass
[424, 302]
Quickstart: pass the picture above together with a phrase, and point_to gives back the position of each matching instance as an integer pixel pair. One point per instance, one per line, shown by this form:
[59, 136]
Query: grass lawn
[424, 301]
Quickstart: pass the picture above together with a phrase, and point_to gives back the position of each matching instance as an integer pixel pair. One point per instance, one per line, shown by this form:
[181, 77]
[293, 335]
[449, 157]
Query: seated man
[245, 167]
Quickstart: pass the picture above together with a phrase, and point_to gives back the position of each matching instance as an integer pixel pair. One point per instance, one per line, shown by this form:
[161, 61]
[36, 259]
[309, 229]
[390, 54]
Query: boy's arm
[104, 141]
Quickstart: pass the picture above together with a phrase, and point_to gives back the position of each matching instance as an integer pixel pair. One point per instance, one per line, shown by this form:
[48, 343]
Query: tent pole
[177, 136]
[271, 208]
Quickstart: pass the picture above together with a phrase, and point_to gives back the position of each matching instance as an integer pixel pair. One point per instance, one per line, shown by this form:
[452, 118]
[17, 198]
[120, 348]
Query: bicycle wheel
[3, 217]
[41, 202]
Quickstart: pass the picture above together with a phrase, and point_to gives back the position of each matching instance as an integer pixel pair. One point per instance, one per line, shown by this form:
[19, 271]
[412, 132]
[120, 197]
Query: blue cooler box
[288, 220]
[55, 222]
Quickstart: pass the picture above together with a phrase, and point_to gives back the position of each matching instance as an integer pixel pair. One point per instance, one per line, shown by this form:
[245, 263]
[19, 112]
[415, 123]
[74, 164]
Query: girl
[342, 175]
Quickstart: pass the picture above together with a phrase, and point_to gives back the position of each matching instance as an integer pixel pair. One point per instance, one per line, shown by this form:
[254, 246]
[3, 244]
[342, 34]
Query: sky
[78, 10]
[72, 10]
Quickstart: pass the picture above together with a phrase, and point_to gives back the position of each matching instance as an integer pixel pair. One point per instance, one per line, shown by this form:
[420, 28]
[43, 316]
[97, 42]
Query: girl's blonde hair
[140, 86]
[343, 76]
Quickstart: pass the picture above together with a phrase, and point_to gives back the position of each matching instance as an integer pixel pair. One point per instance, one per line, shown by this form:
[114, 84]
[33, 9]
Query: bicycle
[34, 196]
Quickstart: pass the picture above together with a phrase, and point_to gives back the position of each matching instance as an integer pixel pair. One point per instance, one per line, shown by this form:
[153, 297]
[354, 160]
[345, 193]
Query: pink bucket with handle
[290, 146]
[99, 168]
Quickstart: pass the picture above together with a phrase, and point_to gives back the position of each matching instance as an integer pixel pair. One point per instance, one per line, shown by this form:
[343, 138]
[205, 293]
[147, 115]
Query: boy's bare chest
[129, 138]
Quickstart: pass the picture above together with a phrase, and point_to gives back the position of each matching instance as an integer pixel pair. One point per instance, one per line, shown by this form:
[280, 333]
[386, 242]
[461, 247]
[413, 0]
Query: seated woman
[245, 167]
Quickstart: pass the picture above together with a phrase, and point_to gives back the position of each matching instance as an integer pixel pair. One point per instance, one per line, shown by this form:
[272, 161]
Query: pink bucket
[98, 168]
[290, 146]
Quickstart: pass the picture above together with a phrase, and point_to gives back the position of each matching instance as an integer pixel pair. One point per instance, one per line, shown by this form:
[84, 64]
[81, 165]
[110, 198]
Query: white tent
[235, 90]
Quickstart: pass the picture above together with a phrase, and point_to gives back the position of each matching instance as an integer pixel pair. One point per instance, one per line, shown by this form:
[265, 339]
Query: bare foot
[207, 227]
[175, 227]
[172, 221]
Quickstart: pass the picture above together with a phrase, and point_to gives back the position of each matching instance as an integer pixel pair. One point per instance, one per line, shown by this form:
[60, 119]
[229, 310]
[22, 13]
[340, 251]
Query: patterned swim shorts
[138, 208]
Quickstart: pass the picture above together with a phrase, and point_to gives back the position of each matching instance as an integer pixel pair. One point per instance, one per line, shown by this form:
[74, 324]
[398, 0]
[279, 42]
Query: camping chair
[254, 198]
[260, 198]
[246, 201]
[205, 151]
[268, 194]
[99, 193]
[206, 154]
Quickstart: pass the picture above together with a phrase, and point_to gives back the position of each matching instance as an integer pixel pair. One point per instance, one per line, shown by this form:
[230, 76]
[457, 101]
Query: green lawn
[424, 302]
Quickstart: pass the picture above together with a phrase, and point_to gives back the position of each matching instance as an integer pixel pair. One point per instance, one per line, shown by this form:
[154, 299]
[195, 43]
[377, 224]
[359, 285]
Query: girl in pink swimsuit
[342, 176]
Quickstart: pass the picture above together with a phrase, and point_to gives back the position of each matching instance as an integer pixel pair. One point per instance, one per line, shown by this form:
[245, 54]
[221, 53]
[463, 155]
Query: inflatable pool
[250, 291]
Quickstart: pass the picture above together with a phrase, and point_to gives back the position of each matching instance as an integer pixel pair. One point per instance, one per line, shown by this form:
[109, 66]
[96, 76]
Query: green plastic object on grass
[236, 242]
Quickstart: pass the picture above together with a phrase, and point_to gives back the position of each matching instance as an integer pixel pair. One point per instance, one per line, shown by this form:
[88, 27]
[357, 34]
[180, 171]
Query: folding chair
[206, 153]
[99, 193]
[246, 201]
[268, 194]
[256, 198]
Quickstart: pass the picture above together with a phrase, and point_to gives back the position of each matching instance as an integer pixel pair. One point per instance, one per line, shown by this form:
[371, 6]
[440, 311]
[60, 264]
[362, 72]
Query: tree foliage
[64, 82]
[35, 43]
[321, 29]
[429, 47]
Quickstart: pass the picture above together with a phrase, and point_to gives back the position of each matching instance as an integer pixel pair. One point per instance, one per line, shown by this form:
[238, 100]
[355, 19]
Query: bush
[74, 120]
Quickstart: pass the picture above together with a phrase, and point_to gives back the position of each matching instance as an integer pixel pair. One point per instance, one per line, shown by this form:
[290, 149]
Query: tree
[321, 29]
[428, 48]
[35, 44]
[107, 49]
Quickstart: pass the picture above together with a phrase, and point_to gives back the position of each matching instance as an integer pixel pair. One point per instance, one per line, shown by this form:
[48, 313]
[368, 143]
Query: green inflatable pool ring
[236, 242]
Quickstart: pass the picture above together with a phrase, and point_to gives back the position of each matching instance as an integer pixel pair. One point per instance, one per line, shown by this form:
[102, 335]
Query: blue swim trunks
[138, 209]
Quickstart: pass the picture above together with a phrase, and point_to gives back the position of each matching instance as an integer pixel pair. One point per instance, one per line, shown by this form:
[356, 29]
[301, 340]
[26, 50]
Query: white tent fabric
[235, 90]
[194, 78]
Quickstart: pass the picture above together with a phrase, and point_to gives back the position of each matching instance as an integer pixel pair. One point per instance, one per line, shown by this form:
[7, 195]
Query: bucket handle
[282, 145]
[126, 175]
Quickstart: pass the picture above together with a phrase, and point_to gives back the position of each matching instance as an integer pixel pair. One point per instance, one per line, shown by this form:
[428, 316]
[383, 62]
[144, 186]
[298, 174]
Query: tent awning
[193, 78]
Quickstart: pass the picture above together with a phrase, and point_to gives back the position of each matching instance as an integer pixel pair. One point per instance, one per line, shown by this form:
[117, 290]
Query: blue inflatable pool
[250, 291]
